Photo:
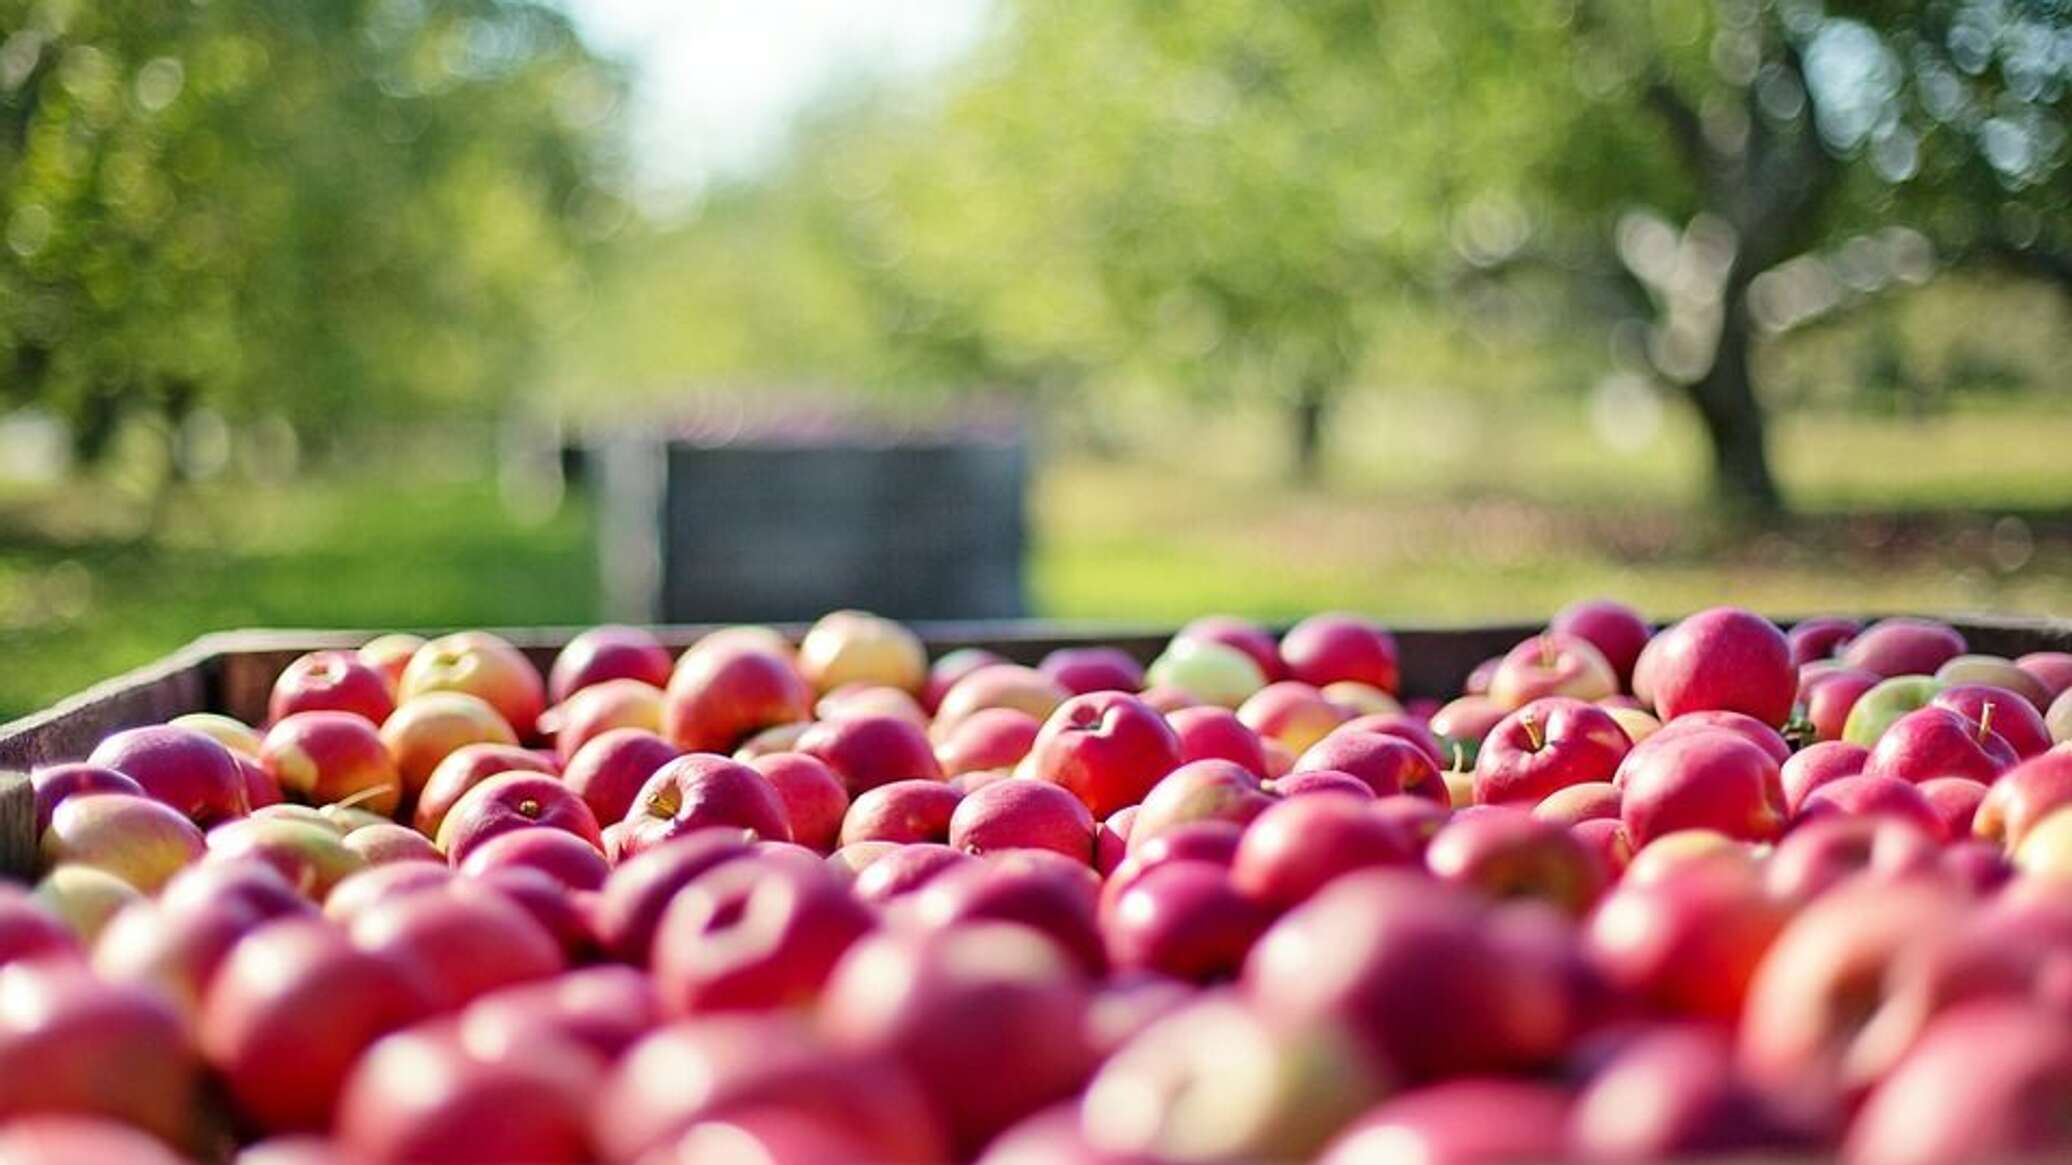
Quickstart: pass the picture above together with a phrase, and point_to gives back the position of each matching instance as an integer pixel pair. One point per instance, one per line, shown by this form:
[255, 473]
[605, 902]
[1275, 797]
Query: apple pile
[1632, 896]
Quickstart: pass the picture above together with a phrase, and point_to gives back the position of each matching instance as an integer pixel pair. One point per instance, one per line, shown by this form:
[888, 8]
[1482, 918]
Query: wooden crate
[234, 671]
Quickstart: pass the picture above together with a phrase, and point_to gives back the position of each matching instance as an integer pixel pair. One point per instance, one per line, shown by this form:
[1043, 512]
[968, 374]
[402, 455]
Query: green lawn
[1466, 514]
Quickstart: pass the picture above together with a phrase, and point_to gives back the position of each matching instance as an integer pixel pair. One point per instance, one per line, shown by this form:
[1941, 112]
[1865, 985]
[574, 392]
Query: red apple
[28, 931]
[2023, 796]
[385, 842]
[1956, 802]
[1616, 630]
[1242, 634]
[868, 751]
[331, 681]
[481, 665]
[700, 791]
[460, 944]
[814, 801]
[856, 647]
[598, 709]
[1936, 742]
[989, 1019]
[1319, 781]
[1552, 664]
[1820, 854]
[1606, 838]
[640, 888]
[326, 757]
[717, 699]
[1724, 658]
[390, 654]
[1184, 919]
[1207, 790]
[607, 1009]
[991, 738]
[1300, 844]
[1903, 647]
[311, 854]
[1291, 712]
[1402, 726]
[1819, 638]
[360, 891]
[1508, 853]
[83, 899]
[1019, 813]
[1869, 796]
[427, 729]
[83, 1140]
[1670, 1092]
[1590, 801]
[608, 772]
[1210, 841]
[952, 666]
[1705, 780]
[54, 783]
[2053, 669]
[2009, 717]
[1106, 748]
[71, 1044]
[1408, 965]
[181, 767]
[1816, 765]
[1466, 722]
[173, 949]
[1984, 1083]
[261, 789]
[754, 935]
[905, 869]
[1992, 671]
[1000, 685]
[564, 856]
[430, 1094]
[290, 1011]
[1210, 733]
[903, 811]
[513, 801]
[607, 653]
[1484, 1120]
[142, 841]
[1043, 891]
[251, 885]
[1547, 745]
[468, 766]
[1746, 727]
[1389, 764]
[1830, 696]
[1080, 670]
[1324, 649]
[1688, 941]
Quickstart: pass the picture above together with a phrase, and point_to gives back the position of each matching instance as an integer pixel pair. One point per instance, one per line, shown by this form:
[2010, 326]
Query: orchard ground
[1479, 511]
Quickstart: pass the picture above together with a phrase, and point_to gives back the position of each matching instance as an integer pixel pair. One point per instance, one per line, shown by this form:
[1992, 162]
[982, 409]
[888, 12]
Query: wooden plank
[17, 826]
[149, 695]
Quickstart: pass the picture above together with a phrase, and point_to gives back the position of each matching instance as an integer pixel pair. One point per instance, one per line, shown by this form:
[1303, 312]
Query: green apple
[1214, 673]
[1876, 709]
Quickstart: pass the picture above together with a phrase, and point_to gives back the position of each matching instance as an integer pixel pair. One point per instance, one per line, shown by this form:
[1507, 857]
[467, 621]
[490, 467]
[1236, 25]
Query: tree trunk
[1311, 409]
[1742, 483]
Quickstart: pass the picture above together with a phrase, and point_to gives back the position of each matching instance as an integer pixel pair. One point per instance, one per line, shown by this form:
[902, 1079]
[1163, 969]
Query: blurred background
[381, 312]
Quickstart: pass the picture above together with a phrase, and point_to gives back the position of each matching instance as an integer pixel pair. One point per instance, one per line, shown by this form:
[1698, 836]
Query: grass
[1432, 512]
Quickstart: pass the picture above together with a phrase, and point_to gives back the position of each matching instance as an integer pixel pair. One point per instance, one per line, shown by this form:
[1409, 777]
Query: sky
[717, 82]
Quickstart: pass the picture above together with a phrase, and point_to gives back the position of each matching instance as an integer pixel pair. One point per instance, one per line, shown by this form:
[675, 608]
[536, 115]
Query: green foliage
[323, 210]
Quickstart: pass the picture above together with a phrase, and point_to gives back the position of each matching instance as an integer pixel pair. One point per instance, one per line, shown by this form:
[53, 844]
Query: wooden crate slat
[17, 826]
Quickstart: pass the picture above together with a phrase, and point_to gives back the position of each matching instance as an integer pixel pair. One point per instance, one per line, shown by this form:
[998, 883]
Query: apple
[311, 855]
[905, 868]
[999, 685]
[1080, 670]
[1358, 699]
[1746, 727]
[1551, 664]
[2058, 720]
[870, 700]
[989, 1019]
[1616, 630]
[1883, 705]
[252, 885]
[1689, 940]
[1243, 634]
[261, 789]
[2023, 796]
[331, 681]
[385, 842]
[640, 888]
[1830, 697]
[1210, 733]
[515, 801]
[461, 945]
[432, 1094]
[903, 811]
[1547, 745]
[1955, 802]
[1043, 891]
[850, 861]
[289, 1012]
[990, 738]
[598, 709]
[1106, 748]
[1671, 1092]
[814, 801]
[181, 767]
[856, 647]
[390, 655]
[1508, 853]
[1473, 1121]
[1185, 919]
[1389, 764]
[142, 841]
[83, 898]
[1465, 723]
[1476, 682]
[54, 784]
[1983, 1083]
[28, 931]
[359, 891]
[1606, 838]
[952, 666]
[172, 949]
[2045, 851]
[1822, 852]
[608, 772]
[718, 699]
[427, 729]
[561, 855]
[1724, 658]
[1209, 841]
[607, 653]
[1819, 638]
[2010, 717]
[65, 1139]
[1816, 765]
[1324, 649]
[1903, 647]
[234, 734]
[606, 1009]
[66, 1037]
[1872, 796]
[1291, 712]
[754, 935]
[1936, 742]
[2052, 669]
[1207, 790]
[699, 791]
[1210, 672]
[1319, 781]
[324, 757]
[780, 738]
[1677, 850]
[1590, 801]
[1410, 968]
[1403, 726]
[868, 751]
[1711, 780]
[1215, 1081]
[1021, 813]
[1996, 672]
[470, 765]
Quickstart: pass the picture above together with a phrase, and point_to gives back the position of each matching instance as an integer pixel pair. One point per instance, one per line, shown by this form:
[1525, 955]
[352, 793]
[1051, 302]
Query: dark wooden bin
[233, 672]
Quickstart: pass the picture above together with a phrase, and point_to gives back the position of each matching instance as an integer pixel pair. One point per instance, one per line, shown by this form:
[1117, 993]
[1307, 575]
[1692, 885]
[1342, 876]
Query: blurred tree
[329, 212]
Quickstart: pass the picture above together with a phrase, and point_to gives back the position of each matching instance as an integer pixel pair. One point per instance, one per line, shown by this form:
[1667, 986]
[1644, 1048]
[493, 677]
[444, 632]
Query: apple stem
[355, 800]
[1985, 721]
[1460, 757]
[1532, 731]
[1547, 652]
